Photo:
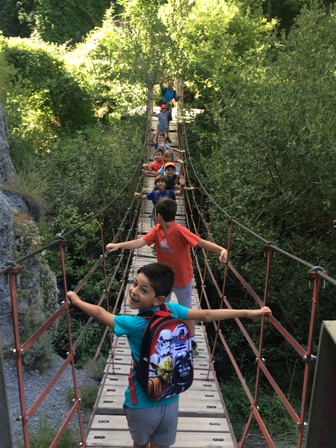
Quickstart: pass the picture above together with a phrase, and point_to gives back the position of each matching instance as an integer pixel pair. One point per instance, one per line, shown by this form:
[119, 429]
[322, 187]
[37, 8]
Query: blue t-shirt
[169, 94]
[163, 119]
[164, 147]
[155, 195]
[133, 327]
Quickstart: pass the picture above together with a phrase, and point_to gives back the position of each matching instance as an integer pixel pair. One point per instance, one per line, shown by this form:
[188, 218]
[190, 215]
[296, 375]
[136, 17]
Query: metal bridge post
[62, 244]
[228, 248]
[5, 428]
[106, 291]
[316, 283]
[200, 208]
[13, 280]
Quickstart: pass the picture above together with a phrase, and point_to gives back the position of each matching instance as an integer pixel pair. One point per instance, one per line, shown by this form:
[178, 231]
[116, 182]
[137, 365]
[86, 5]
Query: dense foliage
[64, 22]
[263, 73]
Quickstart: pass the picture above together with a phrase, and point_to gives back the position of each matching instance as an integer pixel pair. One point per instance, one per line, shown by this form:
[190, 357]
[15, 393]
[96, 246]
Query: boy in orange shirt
[172, 242]
[154, 167]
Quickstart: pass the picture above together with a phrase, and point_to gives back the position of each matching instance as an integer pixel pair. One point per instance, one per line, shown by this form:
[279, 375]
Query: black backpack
[165, 367]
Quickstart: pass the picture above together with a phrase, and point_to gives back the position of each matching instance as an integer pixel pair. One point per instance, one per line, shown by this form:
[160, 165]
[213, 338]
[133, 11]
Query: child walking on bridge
[161, 143]
[172, 243]
[154, 167]
[152, 423]
[161, 191]
[162, 119]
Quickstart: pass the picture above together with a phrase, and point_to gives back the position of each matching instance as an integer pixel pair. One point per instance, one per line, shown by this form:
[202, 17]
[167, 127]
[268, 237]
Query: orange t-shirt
[173, 248]
[155, 166]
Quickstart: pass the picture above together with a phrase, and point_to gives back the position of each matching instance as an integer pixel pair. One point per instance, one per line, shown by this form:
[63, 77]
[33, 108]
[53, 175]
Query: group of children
[153, 424]
[169, 179]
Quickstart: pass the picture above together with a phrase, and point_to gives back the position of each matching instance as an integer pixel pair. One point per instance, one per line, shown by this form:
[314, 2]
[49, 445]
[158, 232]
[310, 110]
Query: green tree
[213, 41]
[68, 21]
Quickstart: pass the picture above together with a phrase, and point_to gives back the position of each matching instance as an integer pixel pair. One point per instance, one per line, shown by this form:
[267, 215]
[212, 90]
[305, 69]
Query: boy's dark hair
[159, 150]
[161, 177]
[161, 277]
[167, 208]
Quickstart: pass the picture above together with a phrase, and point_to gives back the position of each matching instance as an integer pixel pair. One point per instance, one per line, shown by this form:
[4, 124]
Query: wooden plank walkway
[202, 419]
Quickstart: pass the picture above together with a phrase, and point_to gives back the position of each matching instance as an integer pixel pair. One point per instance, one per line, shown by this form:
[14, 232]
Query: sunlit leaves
[277, 134]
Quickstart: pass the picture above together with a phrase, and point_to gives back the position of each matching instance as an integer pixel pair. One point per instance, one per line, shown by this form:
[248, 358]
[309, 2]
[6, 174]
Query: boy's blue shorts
[161, 130]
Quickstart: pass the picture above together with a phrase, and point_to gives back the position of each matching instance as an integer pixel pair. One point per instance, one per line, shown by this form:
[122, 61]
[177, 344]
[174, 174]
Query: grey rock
[19, 236]
[7, 170]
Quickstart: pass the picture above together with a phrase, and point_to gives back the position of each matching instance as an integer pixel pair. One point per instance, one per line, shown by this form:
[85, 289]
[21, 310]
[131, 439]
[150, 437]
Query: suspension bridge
[203, 418]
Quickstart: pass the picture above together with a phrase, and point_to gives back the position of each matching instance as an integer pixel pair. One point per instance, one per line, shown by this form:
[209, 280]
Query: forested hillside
[262, 71]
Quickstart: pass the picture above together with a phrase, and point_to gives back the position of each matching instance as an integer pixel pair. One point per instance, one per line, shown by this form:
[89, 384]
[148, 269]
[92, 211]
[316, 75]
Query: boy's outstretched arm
[214, 315]
[140, 196]
[150, 172]
[95, 311]
[213, 247]
[133, 244]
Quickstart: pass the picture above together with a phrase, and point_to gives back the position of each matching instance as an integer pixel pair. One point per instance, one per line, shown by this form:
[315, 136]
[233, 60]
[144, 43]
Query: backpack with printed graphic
[165, 367]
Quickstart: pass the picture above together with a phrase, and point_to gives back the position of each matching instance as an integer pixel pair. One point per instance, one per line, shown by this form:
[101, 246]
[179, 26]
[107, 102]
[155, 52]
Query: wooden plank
[204, 424]
[184, 439]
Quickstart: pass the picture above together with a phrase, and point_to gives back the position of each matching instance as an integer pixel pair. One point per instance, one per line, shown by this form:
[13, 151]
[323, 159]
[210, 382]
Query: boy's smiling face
[142, 294]
[158, 156]
[170, 171]
[161, 184]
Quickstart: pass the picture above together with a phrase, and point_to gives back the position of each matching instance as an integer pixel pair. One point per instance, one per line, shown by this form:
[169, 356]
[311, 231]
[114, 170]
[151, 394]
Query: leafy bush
[273, 413]
[88, 397]
[40, 356]
[88, 346]
[99, 367]
[46, 91]
[6, 75]
[45, 434]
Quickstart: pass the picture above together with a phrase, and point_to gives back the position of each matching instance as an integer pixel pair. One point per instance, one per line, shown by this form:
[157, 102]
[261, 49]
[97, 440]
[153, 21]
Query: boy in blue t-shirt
[162, 189]
[163, 119]
[153, 423]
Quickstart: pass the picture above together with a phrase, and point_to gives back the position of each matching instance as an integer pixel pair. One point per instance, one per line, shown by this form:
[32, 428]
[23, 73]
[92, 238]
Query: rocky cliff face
[19, 236]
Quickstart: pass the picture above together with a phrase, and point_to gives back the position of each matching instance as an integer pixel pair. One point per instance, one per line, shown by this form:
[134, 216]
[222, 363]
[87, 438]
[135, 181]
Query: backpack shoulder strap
[162, 311]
